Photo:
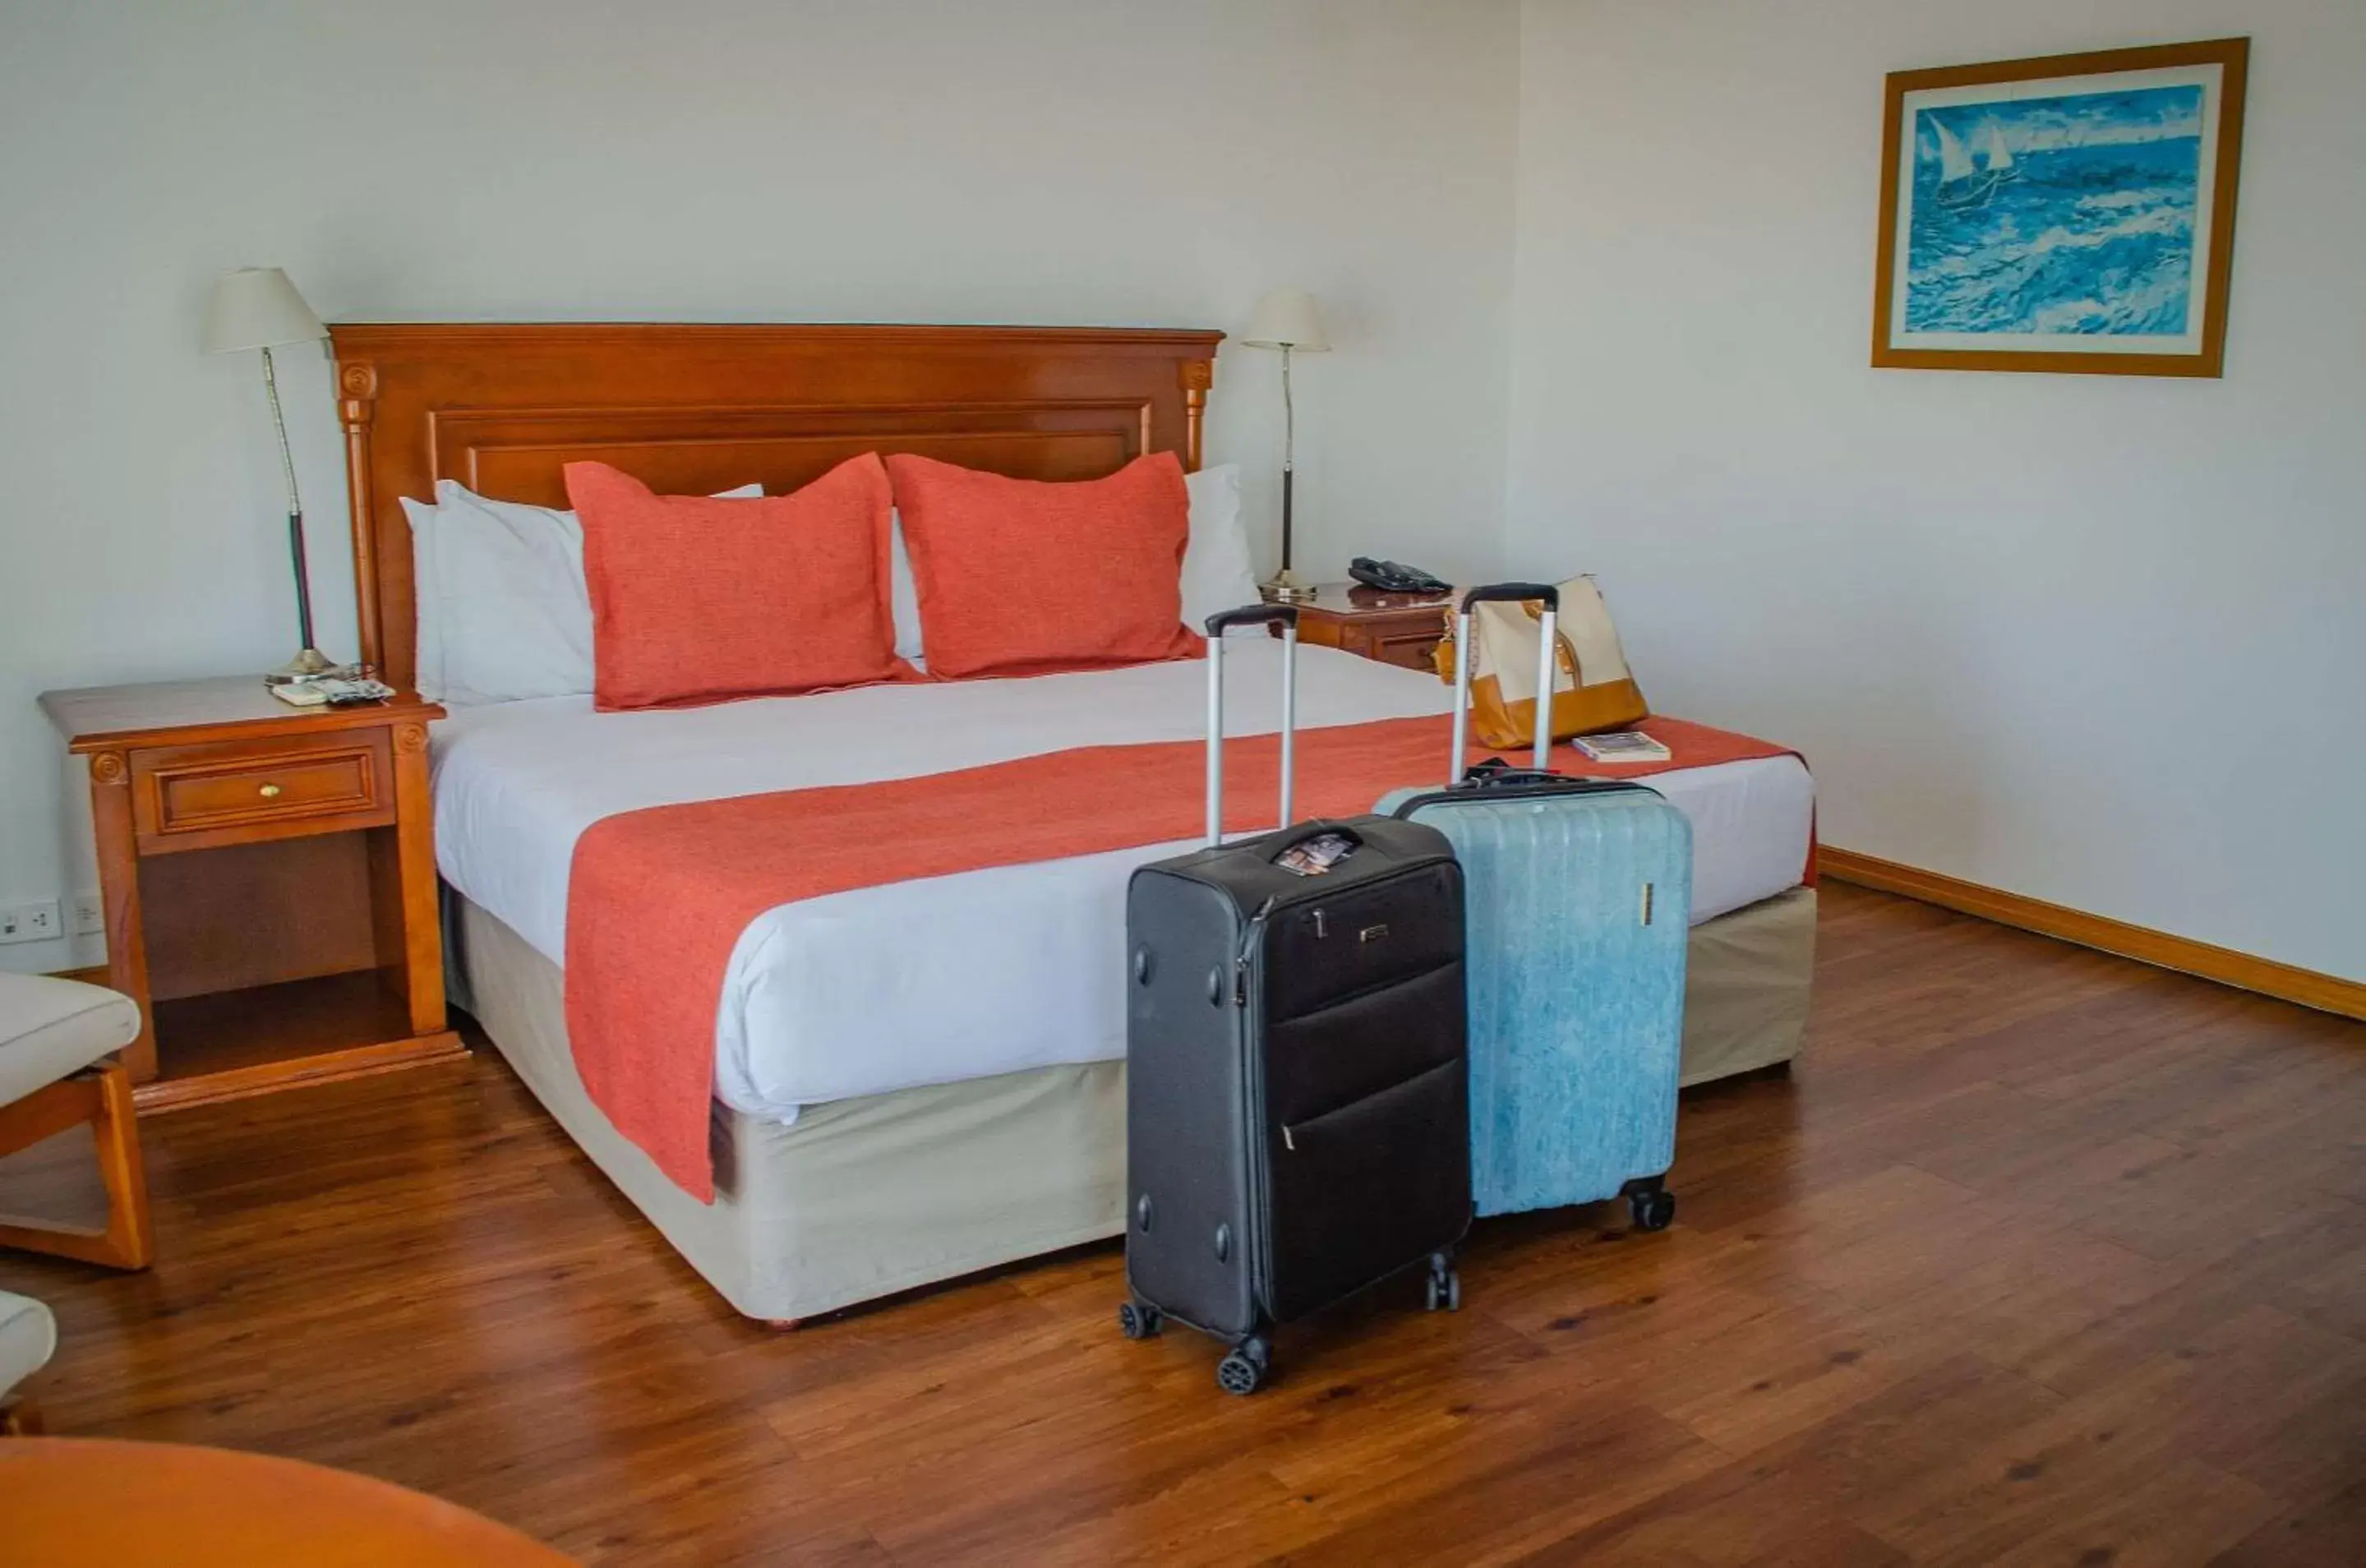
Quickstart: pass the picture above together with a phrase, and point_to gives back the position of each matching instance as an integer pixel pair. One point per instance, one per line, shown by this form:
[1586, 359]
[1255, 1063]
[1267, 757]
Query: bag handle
[1286, 618]
[1495, 774]
[1306, 831]
[1548, 640]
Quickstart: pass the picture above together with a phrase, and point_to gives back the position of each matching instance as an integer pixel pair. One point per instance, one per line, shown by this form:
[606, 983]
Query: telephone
[1394, 577]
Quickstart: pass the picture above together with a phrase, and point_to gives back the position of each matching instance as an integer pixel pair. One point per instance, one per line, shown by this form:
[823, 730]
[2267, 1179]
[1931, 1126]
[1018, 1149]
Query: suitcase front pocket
[1369, 1188]
[1329, 1059]
[1327, 947]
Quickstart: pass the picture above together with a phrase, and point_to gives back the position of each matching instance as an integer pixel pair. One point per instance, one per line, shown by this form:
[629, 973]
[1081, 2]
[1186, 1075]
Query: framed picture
[2074, 213]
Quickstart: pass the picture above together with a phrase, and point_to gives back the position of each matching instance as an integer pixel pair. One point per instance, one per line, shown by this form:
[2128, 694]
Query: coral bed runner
[641, 1017]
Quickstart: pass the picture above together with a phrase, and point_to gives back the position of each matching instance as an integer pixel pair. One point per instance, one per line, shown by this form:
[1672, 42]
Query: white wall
[2101, 640]
[1906, 573]
[1125, 162]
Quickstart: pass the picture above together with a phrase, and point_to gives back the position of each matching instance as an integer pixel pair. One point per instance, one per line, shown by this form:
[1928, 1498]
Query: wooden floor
[2039, 1256]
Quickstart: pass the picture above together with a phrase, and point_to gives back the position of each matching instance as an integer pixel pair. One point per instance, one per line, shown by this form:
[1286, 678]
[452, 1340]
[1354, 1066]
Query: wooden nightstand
[269, 879]
[1394, 628]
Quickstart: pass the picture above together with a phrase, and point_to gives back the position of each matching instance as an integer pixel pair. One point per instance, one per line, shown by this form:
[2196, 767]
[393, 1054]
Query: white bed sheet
[950, 977]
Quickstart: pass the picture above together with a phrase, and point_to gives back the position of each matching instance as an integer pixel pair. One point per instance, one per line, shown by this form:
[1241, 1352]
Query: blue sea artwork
[2060, 216]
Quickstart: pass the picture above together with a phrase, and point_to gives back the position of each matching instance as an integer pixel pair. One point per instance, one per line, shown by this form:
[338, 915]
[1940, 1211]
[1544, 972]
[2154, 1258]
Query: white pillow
[904, 596]
[427, 651]
[1217, 572]
[504, 613]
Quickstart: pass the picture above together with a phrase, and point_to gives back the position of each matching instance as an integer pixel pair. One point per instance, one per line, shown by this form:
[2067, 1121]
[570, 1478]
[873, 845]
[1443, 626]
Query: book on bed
[1622, 746]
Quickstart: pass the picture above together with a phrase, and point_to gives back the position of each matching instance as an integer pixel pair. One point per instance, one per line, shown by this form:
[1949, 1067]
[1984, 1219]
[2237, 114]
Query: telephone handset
[1394, 577]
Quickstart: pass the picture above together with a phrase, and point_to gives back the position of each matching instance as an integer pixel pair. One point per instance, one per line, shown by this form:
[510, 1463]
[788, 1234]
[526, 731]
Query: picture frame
[2073, 213]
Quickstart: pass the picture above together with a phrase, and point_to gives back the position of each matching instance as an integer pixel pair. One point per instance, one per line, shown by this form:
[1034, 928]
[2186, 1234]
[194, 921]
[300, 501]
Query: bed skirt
[1747, 977]
[862, 1198]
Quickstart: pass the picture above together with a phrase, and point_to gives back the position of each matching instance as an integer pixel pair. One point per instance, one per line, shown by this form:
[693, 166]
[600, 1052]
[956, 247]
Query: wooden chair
[56, 1072]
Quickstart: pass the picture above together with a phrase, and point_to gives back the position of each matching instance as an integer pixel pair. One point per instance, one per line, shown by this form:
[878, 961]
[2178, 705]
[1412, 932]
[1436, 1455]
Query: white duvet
[951, 978]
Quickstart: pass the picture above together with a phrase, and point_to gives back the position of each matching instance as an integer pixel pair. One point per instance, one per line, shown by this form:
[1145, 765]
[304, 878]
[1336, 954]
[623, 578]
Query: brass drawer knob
[270, 791]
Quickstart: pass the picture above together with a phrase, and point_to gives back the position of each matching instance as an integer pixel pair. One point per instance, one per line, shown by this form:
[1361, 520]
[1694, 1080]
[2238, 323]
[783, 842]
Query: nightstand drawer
[1415, 648]
[192, 798]
[1403, 630]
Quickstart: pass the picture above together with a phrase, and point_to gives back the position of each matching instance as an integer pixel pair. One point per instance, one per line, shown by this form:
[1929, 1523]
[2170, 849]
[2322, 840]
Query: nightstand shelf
[228, 1044]
[269, 880]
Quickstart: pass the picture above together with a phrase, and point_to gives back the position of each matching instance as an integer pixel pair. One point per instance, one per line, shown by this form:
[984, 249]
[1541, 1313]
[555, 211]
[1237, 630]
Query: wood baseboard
[2327, 993]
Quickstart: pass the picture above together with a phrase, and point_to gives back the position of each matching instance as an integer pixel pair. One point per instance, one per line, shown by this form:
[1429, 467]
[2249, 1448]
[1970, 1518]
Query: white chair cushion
[51, 1029]
[27, 1337]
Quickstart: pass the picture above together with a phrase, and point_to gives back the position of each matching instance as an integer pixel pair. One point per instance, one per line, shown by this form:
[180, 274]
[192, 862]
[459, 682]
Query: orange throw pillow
[1018, 577]
[696, 600]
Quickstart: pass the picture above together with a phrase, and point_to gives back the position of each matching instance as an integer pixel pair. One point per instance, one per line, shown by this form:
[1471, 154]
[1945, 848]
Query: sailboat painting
[1962, 183]
[2065, 214]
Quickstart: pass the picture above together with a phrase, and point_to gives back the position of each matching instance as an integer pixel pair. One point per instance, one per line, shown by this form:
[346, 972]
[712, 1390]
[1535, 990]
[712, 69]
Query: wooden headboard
[691, 410]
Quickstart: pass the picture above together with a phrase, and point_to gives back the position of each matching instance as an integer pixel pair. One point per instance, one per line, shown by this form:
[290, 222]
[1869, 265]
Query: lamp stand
[309, 660]
[1283, 586]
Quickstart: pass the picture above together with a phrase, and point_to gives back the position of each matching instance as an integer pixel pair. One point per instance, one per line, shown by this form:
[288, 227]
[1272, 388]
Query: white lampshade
[1287, 319]
[256, 307]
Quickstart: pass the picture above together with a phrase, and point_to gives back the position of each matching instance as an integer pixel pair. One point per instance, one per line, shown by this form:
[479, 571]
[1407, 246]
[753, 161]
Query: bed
[921, 1079]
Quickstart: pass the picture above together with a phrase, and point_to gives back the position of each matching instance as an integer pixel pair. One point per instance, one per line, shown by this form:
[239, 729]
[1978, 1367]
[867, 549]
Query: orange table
[72, 1501]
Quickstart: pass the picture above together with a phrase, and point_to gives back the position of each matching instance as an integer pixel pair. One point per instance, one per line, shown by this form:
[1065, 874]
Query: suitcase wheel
[1138, 1320]
[1445, 1293]
[1654, 1210]
[1243, 1368]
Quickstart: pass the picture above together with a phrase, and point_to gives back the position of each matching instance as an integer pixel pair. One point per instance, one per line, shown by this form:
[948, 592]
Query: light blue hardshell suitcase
[1578, 898]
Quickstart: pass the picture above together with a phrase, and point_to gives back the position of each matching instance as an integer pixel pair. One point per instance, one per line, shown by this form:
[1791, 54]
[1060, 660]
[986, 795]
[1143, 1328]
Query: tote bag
[1592, 688]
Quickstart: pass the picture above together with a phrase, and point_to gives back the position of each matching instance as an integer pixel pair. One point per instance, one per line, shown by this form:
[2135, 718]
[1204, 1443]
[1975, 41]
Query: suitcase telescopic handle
[1223, 621]
[1548, 630]
[1286, 618]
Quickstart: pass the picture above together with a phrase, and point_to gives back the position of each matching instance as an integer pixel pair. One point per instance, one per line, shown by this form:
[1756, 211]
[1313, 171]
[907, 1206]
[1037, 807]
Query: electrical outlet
[35, 922]
[89, 915]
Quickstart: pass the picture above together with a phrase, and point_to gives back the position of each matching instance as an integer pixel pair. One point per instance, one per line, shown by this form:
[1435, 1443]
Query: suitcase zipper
[1256, 1250]
[1248, 946]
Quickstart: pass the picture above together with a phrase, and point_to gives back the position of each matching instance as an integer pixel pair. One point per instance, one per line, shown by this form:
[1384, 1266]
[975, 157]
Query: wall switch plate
[89, 915]
[34, 921]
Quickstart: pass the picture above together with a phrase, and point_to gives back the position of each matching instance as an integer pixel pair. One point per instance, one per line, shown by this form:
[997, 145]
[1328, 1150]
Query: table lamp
[1287, 320]
[256, 307]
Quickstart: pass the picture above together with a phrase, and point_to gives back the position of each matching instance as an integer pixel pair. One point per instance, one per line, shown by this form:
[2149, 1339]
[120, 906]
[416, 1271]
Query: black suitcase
[1297, 1098]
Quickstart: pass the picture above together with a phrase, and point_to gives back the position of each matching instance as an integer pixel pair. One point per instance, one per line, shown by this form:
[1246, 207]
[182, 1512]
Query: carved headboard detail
[692, 410]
